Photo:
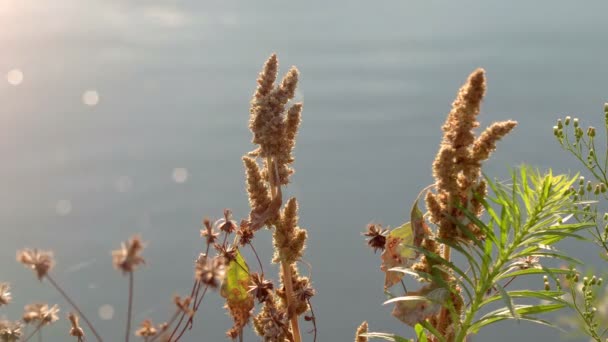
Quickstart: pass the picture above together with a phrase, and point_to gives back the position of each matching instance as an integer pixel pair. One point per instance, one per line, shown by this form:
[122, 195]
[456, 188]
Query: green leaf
[532, 271]
[420, 334]
[508, 301]
[386, 337]
[433, 330]
[236, 282]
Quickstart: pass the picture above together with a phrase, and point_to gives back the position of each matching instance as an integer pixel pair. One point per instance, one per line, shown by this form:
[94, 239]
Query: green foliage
[236, 283]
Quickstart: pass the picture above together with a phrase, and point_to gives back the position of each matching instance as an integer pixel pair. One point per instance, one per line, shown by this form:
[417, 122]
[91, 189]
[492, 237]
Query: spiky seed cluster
[302, 292]
[376, 236]
[272, 323]
[259, 194]
[39, 261]
[457, 165]
[289, 239]
[362, 329]
[274, 129]
[128, 257]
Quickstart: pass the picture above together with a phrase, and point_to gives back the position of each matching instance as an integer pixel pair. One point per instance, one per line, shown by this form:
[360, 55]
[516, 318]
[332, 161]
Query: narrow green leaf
[386, 337]
[508, 301]
[420, 334]
[433, 331]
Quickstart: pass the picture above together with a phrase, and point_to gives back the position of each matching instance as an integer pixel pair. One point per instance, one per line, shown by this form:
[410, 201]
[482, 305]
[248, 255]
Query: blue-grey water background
[162, 147]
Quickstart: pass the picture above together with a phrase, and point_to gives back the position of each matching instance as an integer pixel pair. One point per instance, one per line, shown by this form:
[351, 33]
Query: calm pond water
[131, 117]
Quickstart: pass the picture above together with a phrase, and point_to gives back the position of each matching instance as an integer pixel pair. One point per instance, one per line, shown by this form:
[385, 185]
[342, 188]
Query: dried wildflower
[75, 330]
[210, 271]
[228, 252]
[304, 291]
[40, 261]
[226, 224]
[240, 312]
[245, 233]
[362, 329]
[5, 294]
[183, 305]
[377, 236]
[127, 257]
[260, 287]
[146, 329]
[41, 313]
[10, 331]
[208, 233]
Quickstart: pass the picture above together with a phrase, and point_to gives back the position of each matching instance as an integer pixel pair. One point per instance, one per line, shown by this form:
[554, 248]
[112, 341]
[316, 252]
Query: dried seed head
[10, 331]
[210, 271]
[40, 313]
[376, 236]
[5, 294]
[75, 330]
[127, 258]
[183, 305]
[226, 224]
[146, 329]
[260, 288]
[362, 329]
[40, 261]
[245, 233]
[208, 233]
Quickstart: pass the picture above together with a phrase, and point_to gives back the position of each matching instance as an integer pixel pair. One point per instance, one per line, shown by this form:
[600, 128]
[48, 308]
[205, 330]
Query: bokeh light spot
[14, 77]
[106, 312]
[63, 207]
[180, 175]
[90, 98]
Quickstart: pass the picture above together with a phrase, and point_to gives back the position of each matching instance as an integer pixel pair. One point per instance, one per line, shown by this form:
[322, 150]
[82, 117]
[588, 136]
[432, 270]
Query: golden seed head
[39, 261]
[128, 257]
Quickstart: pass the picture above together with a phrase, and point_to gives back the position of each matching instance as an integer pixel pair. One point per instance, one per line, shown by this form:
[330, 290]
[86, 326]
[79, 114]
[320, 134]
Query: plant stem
[130, 307]
[71, 302]
[38, 327]
[288, 295]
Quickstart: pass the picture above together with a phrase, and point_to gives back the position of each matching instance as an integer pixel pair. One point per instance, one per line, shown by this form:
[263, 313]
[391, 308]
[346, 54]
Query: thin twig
[130, 307]
[38, 327]
[313, 319]
[257, 257]
[71, 302]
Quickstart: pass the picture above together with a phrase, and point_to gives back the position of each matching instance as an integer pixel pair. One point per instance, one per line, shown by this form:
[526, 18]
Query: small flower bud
[600, 281]
[591, 132]
[589, 186]
[585, 280]
[567, 120]
[581, 180]
[593, 280]
[597, 189]
[575, 122]
[602, 187]
[606, 107]
[547, 287]
[576, 278]
[559, 123]
[556, 131]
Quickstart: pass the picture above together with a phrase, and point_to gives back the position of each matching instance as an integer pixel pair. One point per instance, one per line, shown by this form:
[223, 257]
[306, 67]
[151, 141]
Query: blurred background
[120, 117]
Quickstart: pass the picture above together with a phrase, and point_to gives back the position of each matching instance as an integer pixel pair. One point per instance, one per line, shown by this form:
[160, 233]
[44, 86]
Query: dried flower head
[75, 330]
[376, 236]
[5, 294]
[260, 288]
[183, 305]
[40, 261]
[245, 233]
[228, 252]
[362, 329]
[210, 271]
[226, 224]
[525, 263]
[127, 258]
[10, 331]
[40, 313]
[146, 329]
[208, 233]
